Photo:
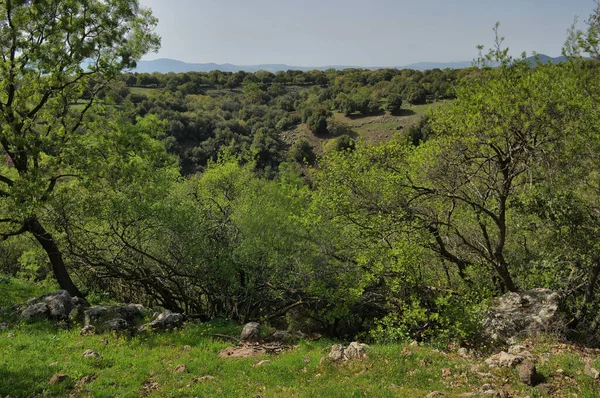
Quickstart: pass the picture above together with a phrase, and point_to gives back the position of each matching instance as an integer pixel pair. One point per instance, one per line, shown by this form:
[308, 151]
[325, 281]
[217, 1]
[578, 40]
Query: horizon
[385, 33]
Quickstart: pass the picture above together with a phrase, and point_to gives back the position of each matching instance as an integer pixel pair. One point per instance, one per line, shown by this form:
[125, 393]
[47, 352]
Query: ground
[150, 365]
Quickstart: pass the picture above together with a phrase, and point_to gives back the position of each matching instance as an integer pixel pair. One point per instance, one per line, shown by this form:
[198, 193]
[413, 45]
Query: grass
[372, 129]
[144, 365]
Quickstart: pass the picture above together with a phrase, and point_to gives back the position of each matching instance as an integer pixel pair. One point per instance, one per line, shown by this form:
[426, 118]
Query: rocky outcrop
[520, 313]
[111, 318]
[55, 306]
[354, 351]
[166, 320]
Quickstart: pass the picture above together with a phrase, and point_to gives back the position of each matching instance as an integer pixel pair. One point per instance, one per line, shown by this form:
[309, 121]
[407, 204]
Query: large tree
[51, 52]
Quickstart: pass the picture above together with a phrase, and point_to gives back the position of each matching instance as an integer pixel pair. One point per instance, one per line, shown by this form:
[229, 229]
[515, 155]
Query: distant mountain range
[166, 65]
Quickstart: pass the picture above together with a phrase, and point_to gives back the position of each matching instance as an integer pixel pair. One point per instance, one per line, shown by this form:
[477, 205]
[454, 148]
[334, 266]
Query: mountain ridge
[167, 65]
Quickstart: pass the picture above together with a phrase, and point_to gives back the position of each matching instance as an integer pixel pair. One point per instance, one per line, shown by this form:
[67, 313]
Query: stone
[88, 330]
[91, 354]
[589, 370]
[527, 372]
[337, 353]
[355, 351]
[3, 326]
[446, 372]
[83, 381]
[282, 336]
[414, 343]
[180, 369]
[463, 352]
[435, 394]
[203, 379]
[166, 320]
[11, 336]
[57, 378]
[112, 318]
[515, 314]
[187, 348]
[261, 363]
[54, 306]
[251, 332]
[516, 349]
[486, 387]
[504, 360]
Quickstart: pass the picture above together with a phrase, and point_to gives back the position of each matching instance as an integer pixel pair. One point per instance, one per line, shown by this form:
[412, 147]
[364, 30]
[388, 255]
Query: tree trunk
[504, 274]
[56, 260]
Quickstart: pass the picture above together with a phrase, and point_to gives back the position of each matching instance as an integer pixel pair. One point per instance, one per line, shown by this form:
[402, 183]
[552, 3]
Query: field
[371, 129]
[149, 365]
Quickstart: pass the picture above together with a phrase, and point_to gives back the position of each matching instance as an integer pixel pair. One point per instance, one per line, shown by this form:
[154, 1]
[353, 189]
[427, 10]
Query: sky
[359, 33]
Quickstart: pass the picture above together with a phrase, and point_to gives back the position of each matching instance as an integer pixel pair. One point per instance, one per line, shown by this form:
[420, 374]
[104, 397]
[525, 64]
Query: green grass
[144, 91]
[38, 351]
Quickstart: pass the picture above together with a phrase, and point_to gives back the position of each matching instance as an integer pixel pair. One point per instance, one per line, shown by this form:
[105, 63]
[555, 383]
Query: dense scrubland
[387, 206]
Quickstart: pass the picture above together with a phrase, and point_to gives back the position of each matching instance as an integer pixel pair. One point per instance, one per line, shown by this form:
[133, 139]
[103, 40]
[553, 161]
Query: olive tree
[51, 52]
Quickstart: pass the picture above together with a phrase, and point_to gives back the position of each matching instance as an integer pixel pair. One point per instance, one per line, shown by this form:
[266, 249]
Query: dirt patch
[249, 350]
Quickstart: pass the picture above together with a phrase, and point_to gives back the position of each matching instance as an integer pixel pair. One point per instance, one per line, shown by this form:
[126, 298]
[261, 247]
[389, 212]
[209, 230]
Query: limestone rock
[524, 312]
[112, 318]
[337, 353]
[504, 360]
[180, 369]
[90, 354]
[251, 332]
[166, 320]
[355, 351]
[55, 306]
[589, 370]
[58, 378]
[527, 373]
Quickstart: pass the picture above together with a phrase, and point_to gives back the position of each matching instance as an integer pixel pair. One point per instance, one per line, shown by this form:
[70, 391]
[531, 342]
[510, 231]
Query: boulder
[354, 351]
[524, 312]
[112, 318]
[251, 332]
[54, 306]
[527, 373]
[166, 320]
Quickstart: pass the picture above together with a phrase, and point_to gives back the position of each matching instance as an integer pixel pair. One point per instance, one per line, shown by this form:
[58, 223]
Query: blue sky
[362, 33]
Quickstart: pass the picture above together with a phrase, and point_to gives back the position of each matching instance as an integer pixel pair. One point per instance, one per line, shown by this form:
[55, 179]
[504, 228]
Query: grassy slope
[372, 129]
[144, 365]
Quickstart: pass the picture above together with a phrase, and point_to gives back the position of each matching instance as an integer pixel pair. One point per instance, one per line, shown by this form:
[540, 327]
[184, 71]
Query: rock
[355, 351]
[434, 394]
[112, 318]
[78, 312]
[527, 373]
[11, 336]
[446, 372]
[414, 343]
[57, 378]
[3, 326]
[83, 381]
[203, 379]
[91, 354]
[486, 387]
[590, 371]
[545, 388]
[282, 336]
[36, 311]
[54, 306]
[187, 348]
[516, 349]
[463, 352]
[251, 332]
[524, 312]
[166, 320]
[504, 360]
[261, 363]
[180, 369]
[88, 330]
[337, 353]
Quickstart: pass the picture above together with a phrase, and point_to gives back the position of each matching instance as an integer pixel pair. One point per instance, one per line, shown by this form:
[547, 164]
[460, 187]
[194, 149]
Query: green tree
[44, 46]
